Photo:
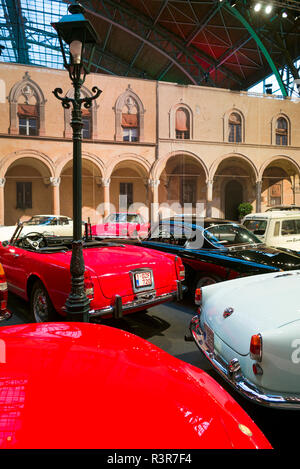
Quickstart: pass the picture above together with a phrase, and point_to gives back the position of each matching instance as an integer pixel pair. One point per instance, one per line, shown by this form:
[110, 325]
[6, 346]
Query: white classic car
[249, 329]
[56, 225]
[277, 228]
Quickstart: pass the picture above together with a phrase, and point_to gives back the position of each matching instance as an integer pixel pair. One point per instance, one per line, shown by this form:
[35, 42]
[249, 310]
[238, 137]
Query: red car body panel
[109, 268]
[121, 229]
[76, 385]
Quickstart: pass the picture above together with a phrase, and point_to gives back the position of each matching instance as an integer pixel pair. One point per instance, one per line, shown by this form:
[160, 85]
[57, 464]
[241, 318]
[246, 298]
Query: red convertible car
[118, 279]
[122, 224]
[88, 386]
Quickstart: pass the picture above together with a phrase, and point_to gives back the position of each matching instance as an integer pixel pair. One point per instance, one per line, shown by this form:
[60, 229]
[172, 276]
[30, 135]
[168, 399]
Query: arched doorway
[182, 185]
[233, 183]
[233, 197]
[27, 190]
[279, 180]
[92, 192]
[129, 188]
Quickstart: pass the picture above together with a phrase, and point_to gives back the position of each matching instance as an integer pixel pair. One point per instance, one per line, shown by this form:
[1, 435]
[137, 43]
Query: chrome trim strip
[236, 378]
[14, 287]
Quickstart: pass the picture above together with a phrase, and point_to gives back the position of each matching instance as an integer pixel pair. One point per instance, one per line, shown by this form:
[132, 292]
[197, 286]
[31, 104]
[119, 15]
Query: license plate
[209, 338]
[143, 279]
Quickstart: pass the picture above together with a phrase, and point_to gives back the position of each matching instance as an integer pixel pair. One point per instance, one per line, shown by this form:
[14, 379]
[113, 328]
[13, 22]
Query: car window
[276, 228]
[38, 220]
[290, 227]
[122, 218]
[63, 221]
[258, 227]
[130, 218]
[110, 218]
[176, 234]
[230, 235]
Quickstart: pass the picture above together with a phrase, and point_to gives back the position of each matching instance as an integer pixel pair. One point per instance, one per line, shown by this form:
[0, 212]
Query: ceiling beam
[14, 18]
[140, 48]
[189, 65]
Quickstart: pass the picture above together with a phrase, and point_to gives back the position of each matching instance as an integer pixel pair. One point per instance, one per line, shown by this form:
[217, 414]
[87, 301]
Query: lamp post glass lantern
[78, 33]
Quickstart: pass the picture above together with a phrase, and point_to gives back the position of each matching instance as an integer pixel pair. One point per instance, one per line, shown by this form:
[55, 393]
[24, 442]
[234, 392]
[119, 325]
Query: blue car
[215, 250]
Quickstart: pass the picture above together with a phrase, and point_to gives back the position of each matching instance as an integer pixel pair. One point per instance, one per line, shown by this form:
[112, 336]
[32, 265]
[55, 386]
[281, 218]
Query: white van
[276, 228]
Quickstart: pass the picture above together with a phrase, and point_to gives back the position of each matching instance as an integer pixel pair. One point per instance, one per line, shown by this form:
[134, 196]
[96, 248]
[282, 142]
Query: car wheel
[41, 307]
[206, 280]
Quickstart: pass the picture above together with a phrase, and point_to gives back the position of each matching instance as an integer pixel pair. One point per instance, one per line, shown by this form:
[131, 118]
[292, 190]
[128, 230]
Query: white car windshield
[230, 235]
[41, 220]
[258, 227]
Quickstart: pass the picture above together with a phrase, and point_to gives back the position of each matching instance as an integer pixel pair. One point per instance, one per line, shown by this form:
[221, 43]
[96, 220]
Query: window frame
[23, 201]
[27, 126]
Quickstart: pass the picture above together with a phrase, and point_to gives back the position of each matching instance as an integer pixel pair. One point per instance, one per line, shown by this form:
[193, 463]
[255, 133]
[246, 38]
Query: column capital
[105, 182]
[209, 181]
[54, 181]
[153, 182]
[2, 182]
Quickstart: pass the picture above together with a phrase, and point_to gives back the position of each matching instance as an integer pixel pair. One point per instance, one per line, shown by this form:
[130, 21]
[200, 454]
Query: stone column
[2, 184]
[258, 186]
[55, 183]
[106, 196]
[209, 197]
[154, 184]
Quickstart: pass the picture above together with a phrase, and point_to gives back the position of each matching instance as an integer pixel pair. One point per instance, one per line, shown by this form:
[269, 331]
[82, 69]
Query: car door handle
[16, 255]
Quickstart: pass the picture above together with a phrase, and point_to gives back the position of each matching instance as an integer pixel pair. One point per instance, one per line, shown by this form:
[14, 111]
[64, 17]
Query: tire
[41, 307]
[206, 280]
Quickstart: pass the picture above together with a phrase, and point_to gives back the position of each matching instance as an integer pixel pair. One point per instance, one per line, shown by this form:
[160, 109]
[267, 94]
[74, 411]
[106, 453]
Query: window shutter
[129, 120]
[28, 195]
[28, 110]
[24, 195]
[181, 121]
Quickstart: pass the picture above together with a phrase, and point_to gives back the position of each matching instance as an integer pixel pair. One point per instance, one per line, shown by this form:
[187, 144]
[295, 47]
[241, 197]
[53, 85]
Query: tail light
[256, 347]
[179, 268]
[88, 285]
[3, 291]
[198, 296]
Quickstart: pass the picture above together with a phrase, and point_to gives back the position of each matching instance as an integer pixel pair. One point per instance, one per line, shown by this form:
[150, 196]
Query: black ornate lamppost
[78, 33]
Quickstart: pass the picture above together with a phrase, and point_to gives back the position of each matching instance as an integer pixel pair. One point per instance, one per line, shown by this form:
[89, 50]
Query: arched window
[182, 124]
[234, 128]
[130, 120]
[28, 115]
[27, 108]
[281, 131]
[129, 112]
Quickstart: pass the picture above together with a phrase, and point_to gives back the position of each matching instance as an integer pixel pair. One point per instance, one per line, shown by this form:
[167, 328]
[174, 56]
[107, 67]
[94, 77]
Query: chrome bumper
[232, 373]
[144, 301]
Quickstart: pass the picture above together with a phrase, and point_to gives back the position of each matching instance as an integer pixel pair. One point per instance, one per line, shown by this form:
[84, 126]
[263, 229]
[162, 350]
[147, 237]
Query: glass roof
[271, 83]
[27, 35]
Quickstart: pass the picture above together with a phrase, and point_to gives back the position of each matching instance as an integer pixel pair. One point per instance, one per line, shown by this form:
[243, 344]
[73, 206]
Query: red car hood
[75, 385]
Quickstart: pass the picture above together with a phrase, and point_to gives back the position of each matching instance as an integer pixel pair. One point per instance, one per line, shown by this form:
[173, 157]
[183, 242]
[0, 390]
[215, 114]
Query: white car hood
[259, 303]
